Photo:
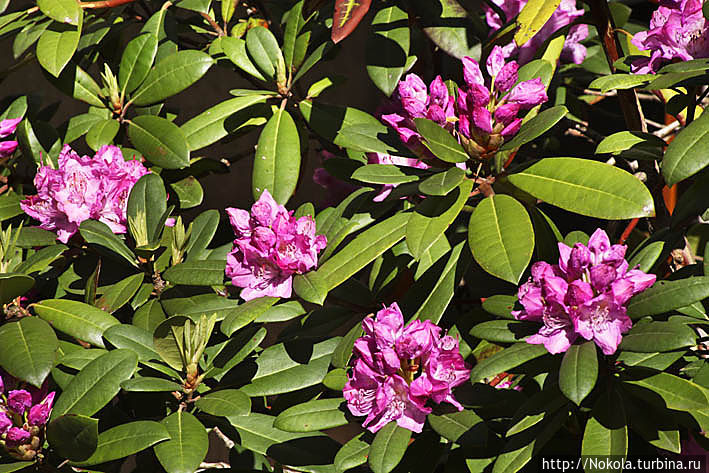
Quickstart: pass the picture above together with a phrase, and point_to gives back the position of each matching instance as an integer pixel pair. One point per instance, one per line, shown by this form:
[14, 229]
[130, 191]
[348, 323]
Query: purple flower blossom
[7, 148]
[19, 400]
[383, 385]
[678, 32]
[83, 188]
[39, 413]
[5, 423]
[8, 126]
[583, 295]
[564, 15]
[16, 436]
[270, 246]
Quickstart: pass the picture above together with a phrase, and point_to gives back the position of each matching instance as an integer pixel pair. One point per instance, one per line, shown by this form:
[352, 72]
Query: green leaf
[675, 392]
[13, 285]
[149, 315]
[204, 226]
[432, 217]
[632, 144]
[442, 183]
[313, 59]
[685, 155]
[33, 236]
[117, 295]
[171, 76]
[34, 347]
[132, 338]
[168, 340]
[78, 125]
[40, 259]
[388, 448]
[77, 83]
[385, 174]
[63, 11]
[10, 207]
[39, 141]
[655, 337]
[586, 187]
[102, 133]
[235, 50]
[245, 314]
[76, 319]
[99, 233]
[447, 24]
[361, 251]
[387, 48]
[441, 143]
[136, 61]
[225, 402]
[56, 46]
[579, 371]
[503, 331]
[196, 273]
[74, 437]
[278, 373]
[328, 121]
[312, 416]
[125, 440]
[277, 160]
[505, 360]
[189, 192]
[665, 296]
[203, 304]
[150, 385]
[96, 384]
[606, 433]
[146, 208]
[532, 17]
[500, 305]
[463, 427]
[217, 122]
[501, 237]
[352, 454]
[620, 81]
[15, 466]
[257, 433]
[263, 48]
[536, 127]
[294, 25]
[187, 446]
[160, 141]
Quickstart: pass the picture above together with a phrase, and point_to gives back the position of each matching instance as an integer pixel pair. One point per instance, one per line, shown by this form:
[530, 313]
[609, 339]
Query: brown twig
[213, 23]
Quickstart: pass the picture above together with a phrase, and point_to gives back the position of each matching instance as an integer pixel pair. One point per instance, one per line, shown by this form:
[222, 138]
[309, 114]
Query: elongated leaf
[504, 331]
[348, 14]
[132, 338]
[328, 121]
[125, 440]
[277, 161]
[257, 433]
[117, 295]
[441, 143]
[203, 229]
[506, 359]
[150, 385]
[433, 216]
[13, 285]
[149, 315]
[160, 141]
[311, 416]
[102, 133]
[620, 81]
[664, 296]
[532, 17]
[10, 206]
[77, 83]
[361, 251]
[56, 46]
[74, 437]
[352, 454]
[34, 347]
[460, 427]
[172, 75]
[295, 24]
[63, 11]
[96, 384]
[675, 392]
[39, 260]
[262, 46]
[388, 448]
[579, 371]
[536, 127]
[388, 48]
[245, 314]
[215, 123]
[187, 446]
[225, 402]
[197, 273]
[606, 433]
[168, 340]
[447, 24]
[655, 337]
[586, 187]
[136, 61]
[99, 233]
[443, 182]
[685, 156]
[76, 319]
[385, 174]
[501, 237]
[235, 50]
[147, 204]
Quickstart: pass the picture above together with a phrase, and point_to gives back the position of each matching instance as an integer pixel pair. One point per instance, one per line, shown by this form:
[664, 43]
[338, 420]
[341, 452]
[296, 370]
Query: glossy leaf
[263, 47]
[149, 315]
[352, 454]
[536, 127]
[40, 259]
[685, 155]
[34, 347]
[160, 141]
[388, 448]
[171, 76]
[658, 337]
[388, 48]
[447, 24]
[442, 183]
[150, 385]
[501, 237]
[63, 11]
[503, 331]
[665, 296]
[125, 440]
[136, 61]
[187, 446]
[14, 285]
[463, 427]
[620, 81]
[225, 402]
[168, 340]
[505, 360]
[132, 338]
[348, 14]
[246, 313]
[675, 392]
[99, 233]
[56, 47]
[76, 319]
[277, 160]
[586, 187]
[441, 143]
[117, 295]
[312, 416]
[196, 273]
[579, 371]
[74, 437]
[146, 208]
[235, 50]
[532, 17]
[385, 174]
[77, 83]
[606, 433]
[96, 384]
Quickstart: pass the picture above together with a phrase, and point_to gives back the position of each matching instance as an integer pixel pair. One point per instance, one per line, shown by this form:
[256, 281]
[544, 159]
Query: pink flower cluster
[678, 32]
[7, 128]
[585, 294]
[484, 114]
[83, 188]
[23, 415]
[397, 369]
[270, 247]
[564, 15]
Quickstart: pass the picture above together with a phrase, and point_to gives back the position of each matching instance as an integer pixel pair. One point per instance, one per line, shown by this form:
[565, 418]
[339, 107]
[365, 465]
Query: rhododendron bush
[464, 235]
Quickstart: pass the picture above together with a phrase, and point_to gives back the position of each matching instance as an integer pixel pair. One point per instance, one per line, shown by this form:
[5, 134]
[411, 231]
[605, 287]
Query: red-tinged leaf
[348, 14]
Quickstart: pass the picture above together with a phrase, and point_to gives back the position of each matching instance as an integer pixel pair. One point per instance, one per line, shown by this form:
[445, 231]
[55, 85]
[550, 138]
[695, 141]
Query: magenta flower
[5, 423]
[83, 188]
[384, 385]
[270, 247]
[19, 400]
[678, 32]
[17, 436]
[584, 295]
[39, 413]
[564, 15]
[7, 128]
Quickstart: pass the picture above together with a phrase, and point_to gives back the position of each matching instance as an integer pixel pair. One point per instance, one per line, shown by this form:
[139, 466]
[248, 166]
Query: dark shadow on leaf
[385, 52]
[305, 451]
